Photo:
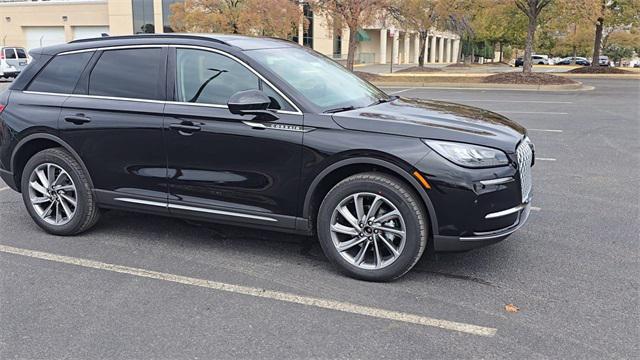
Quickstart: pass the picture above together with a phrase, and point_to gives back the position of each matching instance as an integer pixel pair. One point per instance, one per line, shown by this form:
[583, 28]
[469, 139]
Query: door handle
[77, 119]
[187, 129]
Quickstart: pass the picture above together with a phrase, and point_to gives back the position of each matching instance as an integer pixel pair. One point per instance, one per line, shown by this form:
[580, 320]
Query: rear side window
[61, 74]
[9, 54]
[21, 53]
[128, 73]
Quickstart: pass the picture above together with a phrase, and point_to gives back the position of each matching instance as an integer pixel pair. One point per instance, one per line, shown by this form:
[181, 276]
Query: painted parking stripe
[535, 208]
[259, 293]
[4, 188]
[531, 112]
[508, 101]
[546, 130]
[398, 92]
[545, 159]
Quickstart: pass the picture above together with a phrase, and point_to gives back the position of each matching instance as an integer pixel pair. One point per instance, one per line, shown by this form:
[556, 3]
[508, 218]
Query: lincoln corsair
[262, 133]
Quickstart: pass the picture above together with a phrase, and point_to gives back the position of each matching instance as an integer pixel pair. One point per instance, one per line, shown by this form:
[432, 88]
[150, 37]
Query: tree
[278, 18]
[498, 22]
[532, 9]
[416, 15]
[613, 15]
[621, 45]
[352, 14]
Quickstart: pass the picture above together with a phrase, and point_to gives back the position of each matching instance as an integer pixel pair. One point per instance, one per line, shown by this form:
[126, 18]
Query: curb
[483, 86]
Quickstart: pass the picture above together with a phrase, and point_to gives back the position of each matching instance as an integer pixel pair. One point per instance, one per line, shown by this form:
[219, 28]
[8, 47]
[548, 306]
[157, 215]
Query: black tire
[402, 197]
[86, 212]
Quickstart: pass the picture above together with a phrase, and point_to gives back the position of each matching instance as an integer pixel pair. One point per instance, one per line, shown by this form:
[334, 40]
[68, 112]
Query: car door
[114, 121]
[224, 166]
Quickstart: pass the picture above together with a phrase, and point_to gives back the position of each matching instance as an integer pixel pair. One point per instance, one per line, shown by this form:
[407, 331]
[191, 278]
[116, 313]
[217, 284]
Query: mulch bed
[599, 70]
[528, 79]
[367, 76]
[418, 69]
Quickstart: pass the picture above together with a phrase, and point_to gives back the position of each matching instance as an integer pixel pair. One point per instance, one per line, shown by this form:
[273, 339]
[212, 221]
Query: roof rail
[159, 36]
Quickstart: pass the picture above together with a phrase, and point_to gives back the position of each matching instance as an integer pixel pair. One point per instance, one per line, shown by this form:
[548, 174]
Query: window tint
[21, 53]
[9, 54]
[211, 78]
[61, 74]
[129, 73]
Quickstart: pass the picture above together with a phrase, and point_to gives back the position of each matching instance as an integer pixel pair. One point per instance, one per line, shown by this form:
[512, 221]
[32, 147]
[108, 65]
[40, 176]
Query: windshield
[322, 81]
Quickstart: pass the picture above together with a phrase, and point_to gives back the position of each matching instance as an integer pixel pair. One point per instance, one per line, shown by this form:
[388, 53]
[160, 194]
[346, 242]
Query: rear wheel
[373, 227]
[57, 193]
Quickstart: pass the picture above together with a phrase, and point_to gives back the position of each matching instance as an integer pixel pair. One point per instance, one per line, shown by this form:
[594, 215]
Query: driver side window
[210, 78]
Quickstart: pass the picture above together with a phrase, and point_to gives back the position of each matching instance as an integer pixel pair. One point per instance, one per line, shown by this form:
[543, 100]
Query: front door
[114, 121]
[224, 166]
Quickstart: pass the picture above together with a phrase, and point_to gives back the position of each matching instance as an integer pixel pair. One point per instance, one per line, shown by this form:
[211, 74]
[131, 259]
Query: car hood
[438, 120]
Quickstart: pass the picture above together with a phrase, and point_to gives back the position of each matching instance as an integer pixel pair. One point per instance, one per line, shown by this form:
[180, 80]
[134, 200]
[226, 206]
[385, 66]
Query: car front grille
[524, 153]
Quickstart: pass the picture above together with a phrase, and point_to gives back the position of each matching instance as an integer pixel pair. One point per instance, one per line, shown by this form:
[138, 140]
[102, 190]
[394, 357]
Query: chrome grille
[525, 158]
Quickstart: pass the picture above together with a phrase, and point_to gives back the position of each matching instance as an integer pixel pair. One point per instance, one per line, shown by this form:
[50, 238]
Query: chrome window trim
[118, 47]
[193, 208]
[218, 106]
[224, 53]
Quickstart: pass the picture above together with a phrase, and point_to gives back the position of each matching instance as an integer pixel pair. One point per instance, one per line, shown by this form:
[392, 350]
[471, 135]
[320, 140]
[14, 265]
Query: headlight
[468, 155]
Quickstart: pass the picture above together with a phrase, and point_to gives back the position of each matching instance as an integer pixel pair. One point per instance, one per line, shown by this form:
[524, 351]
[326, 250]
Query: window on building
[61, 74]
[211, 78]
[166, 14]
[128, 73]
[143, 21]
[307, 36]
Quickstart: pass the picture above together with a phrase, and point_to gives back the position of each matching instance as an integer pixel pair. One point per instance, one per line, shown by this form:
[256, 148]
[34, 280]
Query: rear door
[22, 59]
[114, 121]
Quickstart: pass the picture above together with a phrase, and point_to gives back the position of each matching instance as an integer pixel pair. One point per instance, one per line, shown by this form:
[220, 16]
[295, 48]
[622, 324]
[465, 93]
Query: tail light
[2, 108]
[1, 55]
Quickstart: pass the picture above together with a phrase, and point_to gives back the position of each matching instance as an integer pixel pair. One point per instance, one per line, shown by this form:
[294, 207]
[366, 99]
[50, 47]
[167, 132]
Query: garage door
[85, 32]
[39, 36]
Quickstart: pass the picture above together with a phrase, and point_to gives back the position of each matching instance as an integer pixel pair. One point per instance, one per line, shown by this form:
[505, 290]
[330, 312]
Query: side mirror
[251, 102]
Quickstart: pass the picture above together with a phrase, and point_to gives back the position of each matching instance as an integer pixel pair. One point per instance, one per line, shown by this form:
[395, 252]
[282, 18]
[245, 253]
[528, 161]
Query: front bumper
[480, 239]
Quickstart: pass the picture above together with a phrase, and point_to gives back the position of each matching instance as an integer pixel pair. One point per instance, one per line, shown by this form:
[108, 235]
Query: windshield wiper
[340, 109]
[382, 101]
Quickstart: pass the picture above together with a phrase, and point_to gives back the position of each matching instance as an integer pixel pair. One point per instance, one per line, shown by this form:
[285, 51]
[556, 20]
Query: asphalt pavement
[147, 287]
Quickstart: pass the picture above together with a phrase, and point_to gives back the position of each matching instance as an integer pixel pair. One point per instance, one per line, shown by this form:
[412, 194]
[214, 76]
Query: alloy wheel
[368, 231]
[53, 194]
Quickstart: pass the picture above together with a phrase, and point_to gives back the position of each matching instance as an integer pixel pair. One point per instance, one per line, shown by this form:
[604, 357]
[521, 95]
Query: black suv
[263, 133]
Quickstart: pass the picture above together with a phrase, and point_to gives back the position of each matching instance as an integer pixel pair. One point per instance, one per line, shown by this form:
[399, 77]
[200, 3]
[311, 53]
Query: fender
[381, 163]
[55, 139]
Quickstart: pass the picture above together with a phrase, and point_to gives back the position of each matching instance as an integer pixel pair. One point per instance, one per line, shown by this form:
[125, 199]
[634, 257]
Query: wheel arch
[342, 169]
[34, 143]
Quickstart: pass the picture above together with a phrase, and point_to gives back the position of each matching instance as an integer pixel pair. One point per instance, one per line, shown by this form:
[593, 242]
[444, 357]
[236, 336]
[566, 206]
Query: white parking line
[4, 188]
[545, 159]
[546, 130]
[398, 92]
[534, 208]
[531, 112]
[259, 293]
[508, 101]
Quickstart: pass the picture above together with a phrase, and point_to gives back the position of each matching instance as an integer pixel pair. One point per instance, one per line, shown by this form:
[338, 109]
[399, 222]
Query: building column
[396, 47]
[456, 50]
[441, 50]
[157, 17]
[416, 46]
[448, 51]
[383, 46]
[432, 52]
[407, 44]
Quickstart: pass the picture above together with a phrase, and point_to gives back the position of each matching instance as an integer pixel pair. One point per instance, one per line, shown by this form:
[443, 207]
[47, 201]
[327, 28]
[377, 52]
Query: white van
[12, 61]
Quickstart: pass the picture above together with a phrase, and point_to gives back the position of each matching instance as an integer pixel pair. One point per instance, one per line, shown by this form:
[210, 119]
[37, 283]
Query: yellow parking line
[260, 293]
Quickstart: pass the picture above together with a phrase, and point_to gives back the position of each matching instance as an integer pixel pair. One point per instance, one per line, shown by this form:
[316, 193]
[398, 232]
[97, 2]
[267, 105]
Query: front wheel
[373, 227]
[58, 194]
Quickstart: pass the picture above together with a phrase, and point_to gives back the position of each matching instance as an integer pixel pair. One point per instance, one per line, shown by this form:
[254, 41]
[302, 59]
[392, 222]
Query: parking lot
[140, 286]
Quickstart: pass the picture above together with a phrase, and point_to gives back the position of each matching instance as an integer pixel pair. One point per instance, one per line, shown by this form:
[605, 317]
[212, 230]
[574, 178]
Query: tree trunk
[351, 55]
[423, 48]
[528, 46]
[501, 51]
[575, 53]
[598, 42]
